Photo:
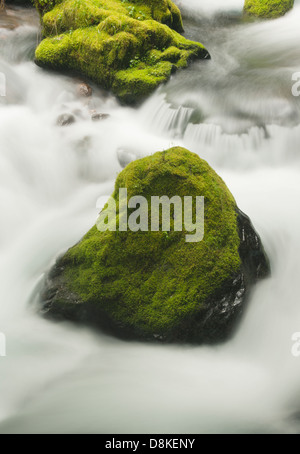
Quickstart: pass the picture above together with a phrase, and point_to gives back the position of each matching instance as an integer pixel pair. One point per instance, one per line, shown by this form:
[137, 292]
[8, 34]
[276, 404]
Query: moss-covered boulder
[128, 47]
[155, 284]
[267, 9]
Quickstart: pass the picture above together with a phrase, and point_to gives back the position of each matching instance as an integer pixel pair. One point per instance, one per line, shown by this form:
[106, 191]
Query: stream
[236, 111]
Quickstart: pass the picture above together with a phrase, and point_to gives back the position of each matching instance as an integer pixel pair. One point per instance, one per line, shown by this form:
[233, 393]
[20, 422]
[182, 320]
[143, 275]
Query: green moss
[267, 9]
[63, 15]
[151, 281]
[134, 84]
[118, 44]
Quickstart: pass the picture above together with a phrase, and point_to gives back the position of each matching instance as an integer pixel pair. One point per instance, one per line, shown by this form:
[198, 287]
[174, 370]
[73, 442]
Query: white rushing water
[236, 111]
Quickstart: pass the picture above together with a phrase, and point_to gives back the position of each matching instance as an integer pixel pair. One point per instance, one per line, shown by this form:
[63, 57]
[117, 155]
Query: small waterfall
[164, 118]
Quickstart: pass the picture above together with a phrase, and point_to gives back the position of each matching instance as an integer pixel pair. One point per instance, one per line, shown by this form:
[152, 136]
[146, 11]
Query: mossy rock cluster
[128, 47]
[267, 9]
[149, 285]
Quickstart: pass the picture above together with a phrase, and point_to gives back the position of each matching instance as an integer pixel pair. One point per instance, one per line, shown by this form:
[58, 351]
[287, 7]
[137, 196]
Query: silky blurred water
[237, 112]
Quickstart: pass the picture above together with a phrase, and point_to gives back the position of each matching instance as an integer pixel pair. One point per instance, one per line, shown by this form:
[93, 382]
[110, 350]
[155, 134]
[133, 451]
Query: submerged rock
[154, 285]
[84, 90]
[267, 9]
[125, 157]
[96, 116]
[65, 119]
[129, 47]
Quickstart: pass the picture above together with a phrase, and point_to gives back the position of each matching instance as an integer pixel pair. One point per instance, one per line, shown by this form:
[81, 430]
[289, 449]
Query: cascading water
[236, 111]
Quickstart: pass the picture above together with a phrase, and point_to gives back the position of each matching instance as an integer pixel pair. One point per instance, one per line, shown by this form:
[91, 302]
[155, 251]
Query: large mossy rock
[129, 47]
[267, 9]
[156, 285]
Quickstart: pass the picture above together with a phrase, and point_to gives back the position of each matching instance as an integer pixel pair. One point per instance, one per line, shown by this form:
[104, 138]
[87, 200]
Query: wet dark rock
[95, 116]
[125, 157]
[84, 90]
